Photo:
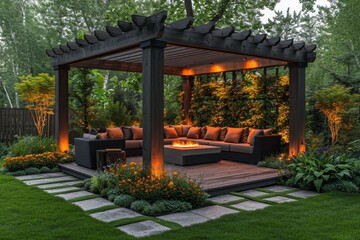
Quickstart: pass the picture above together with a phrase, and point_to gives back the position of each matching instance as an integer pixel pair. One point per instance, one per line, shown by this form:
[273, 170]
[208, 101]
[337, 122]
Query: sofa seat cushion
[225, 147]
[200, 141]
[130, 144]
[242, 148]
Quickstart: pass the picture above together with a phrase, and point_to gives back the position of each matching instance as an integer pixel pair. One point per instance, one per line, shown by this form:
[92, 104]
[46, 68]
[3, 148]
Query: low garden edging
[133, 187]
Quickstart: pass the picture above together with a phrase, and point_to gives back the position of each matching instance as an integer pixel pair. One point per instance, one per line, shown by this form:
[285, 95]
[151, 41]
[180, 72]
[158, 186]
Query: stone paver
[115, 214]
[184, 219]
[49, 180]
[250, 205]
[253, 193]
[60, 190]
[279, 188]
[226, 198]
[93, 203]
[144, 228]
[280, 199]
[303, 194]
[73, 195]
[62, 184]
[213, 212]
[42, 175]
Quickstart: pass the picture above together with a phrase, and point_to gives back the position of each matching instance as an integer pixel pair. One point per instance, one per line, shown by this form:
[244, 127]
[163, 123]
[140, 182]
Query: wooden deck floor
[215, 178]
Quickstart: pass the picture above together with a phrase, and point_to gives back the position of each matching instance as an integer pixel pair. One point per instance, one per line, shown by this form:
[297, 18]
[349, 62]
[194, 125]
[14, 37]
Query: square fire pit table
[186, 156]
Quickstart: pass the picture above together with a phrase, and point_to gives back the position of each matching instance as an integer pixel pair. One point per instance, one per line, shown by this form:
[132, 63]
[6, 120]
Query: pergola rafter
[179, 48]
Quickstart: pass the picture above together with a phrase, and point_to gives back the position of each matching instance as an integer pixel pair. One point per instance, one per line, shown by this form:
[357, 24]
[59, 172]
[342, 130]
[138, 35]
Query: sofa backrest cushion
[185, 130]
[102, 135]
[245, 135]
[203, 132]
[212, 133]
[254, 132]
[222, 134]
[128, 135]
[194, 133]
[268, 131]
[233, 135]
[114, 133]
[178, 129]
[170, 133]
[137, 133]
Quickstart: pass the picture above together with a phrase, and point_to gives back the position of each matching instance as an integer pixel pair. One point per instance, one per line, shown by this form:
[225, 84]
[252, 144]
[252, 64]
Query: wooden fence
[17, 122]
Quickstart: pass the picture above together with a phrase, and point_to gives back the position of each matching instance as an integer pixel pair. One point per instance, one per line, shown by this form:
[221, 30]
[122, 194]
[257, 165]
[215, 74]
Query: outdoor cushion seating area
[237, 144]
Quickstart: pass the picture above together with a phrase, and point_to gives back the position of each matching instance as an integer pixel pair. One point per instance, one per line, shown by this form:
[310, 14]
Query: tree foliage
[39, 93]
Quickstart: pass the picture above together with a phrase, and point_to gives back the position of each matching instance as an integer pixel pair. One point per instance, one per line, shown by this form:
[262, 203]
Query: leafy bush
[17, 173]
[103, 181]
[32, 145]
[139, 205]
[48, 159]
[152, 209]
[56, 169]
[137, 182]
[341, 186]
[173, 206]
[45, 170]
[317, 167]
[124, 200]
[276, 164]
[104, 192]
[112, 194]
[3, 149]
[30, 171]
[87, 184]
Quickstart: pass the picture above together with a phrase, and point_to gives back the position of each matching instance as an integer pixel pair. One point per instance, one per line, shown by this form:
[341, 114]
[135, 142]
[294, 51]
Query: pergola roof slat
[138, 20]
[125, 26]
[271, 41]
[72, 45]
[223, 32]
[310, 48]
[50, 53]
[286, 43]
[241, 36]
[205, 28]
[257, 38]
[81, 42]
[101, 35]
[113, 31]
[90, 39]
[65, 48]
[298, 46]
[57, 51]
[182, 24]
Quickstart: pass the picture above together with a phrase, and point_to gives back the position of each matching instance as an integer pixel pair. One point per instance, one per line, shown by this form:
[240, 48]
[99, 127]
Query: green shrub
[3, 150]
[112, 194]
[152, 209]
[317, 167]
[30, 171]
[87, 184]
[276, 164]
[17, 173]
[341, 186]
[32, 145]
[104, 192]
[45, 170]
[103, 181]
[139, 205]
[356, 180]
[55, 169]
[124, 200]
[173, 206]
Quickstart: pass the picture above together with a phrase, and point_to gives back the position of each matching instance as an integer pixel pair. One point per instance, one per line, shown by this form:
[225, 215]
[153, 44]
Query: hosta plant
[314, 168]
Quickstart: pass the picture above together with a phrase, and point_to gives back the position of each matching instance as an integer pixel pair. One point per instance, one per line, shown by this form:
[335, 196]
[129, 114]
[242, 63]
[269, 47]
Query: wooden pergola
[150, 46]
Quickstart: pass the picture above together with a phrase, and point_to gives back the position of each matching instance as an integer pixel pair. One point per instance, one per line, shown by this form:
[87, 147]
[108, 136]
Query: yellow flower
[133, 164]
[171, 184]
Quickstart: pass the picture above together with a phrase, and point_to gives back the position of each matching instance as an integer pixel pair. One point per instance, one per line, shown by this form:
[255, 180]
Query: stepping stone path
[251, 205]
[145, 228]
[279, 199]
[115, 214]
[63, 186]
[226, 198]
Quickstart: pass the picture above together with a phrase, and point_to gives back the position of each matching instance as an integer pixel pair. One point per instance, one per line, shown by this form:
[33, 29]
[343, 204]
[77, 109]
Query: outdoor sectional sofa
[235, 143]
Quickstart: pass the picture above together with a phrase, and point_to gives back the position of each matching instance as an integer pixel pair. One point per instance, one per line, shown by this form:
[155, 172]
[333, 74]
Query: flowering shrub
[32, 145]
[48, 159]
[138, 183]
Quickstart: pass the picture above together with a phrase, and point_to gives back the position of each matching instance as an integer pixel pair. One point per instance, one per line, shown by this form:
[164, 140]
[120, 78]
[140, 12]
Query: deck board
[215, 178]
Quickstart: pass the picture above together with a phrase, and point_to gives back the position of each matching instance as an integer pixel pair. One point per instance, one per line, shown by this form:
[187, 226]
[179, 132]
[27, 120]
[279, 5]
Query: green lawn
[29, 213]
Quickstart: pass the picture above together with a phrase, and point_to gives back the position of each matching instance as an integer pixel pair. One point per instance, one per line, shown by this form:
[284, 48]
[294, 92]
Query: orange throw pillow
[233, 135]
[212, 133]
[254, 132]
[114, 133]
[137, 133]
[194, 133]
[170, 133]
[103, 135]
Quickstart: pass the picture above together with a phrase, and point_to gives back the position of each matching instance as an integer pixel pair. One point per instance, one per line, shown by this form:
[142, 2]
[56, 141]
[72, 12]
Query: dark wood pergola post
[297, 108]
[153, 105]
[188, 82]
[61, 107]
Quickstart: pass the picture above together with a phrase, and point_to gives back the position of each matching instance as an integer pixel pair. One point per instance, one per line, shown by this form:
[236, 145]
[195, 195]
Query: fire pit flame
[185, 144]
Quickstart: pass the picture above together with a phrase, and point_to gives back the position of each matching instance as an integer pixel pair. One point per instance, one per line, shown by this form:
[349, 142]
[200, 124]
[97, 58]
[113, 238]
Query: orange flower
[171, 184]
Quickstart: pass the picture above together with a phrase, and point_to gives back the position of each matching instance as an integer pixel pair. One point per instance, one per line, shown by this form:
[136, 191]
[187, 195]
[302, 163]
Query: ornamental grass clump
[136, 181]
